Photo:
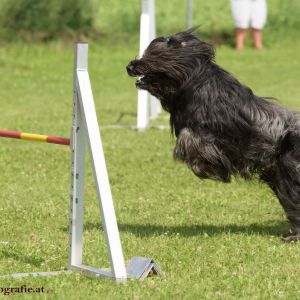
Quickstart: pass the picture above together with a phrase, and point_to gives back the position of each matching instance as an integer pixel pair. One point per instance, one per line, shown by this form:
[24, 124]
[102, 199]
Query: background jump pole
[148, 106]
[189, 13]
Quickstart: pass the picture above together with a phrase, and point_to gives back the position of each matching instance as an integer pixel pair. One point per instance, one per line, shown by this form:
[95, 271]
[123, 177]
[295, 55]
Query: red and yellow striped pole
[34, 137]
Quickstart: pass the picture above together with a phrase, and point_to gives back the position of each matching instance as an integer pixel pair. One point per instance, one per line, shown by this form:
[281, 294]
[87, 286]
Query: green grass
[212, 240]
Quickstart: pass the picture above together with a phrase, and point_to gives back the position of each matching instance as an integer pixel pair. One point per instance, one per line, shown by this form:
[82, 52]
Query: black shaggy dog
[222, 127]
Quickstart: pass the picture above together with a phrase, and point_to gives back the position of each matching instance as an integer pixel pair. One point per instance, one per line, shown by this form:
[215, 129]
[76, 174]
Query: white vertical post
[86, 109]
[155, 107]
[78, 143]
[143, 106]
[143, 110]
[189, 13]
[147, 34]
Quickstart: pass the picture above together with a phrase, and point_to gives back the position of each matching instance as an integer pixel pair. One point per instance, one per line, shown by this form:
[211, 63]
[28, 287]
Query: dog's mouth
[142, 82]
[140, 79]
[143, 79]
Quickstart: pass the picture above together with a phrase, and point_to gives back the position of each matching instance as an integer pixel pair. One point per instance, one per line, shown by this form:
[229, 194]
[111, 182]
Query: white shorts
[249, 12]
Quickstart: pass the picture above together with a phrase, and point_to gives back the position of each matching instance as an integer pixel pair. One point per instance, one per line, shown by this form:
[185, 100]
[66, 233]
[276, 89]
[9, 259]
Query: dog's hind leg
[284, 179]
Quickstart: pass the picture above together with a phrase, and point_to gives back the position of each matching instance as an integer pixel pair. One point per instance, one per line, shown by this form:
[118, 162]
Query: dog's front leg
[200, 152]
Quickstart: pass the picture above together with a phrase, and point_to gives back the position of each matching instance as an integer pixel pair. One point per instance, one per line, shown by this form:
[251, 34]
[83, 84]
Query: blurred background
[44, 20]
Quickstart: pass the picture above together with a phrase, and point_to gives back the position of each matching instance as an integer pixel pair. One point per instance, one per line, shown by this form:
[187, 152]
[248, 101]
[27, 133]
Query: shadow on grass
[142, 230]
[20, 257]
[124, 114]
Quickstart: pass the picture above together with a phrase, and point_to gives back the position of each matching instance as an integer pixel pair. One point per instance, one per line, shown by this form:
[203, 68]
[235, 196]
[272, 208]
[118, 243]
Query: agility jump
[85, 131]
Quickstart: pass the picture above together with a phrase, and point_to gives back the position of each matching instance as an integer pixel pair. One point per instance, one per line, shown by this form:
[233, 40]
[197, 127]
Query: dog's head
[169, 62]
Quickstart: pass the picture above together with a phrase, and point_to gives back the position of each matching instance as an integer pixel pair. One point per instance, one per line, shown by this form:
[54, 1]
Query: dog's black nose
[129, 69]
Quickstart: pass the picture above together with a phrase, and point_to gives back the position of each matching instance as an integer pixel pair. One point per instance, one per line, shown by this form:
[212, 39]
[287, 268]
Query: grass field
[213, 241]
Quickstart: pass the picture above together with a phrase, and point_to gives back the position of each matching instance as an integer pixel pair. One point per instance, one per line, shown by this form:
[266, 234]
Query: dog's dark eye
[171, 42]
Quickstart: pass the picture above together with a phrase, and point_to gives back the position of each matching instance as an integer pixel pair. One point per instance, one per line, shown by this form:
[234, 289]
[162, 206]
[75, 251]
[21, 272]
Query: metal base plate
[141, 267]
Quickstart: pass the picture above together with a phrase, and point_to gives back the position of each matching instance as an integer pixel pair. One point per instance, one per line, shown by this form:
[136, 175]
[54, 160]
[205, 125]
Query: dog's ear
[192, 30]
[186, 35]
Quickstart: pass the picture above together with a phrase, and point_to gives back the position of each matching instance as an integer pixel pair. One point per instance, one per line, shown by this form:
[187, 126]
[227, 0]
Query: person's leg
[240, 35]
[257, 38]
[241, 10]
[258, 20]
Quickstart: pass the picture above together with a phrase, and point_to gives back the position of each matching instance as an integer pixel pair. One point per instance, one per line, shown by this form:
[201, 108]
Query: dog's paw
[291, 237]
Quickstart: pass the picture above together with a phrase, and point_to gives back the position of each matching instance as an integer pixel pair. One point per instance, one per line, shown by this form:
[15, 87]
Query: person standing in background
[245, 13]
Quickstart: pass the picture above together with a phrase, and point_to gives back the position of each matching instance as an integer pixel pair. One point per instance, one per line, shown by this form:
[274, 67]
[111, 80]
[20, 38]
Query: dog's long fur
[222, 127]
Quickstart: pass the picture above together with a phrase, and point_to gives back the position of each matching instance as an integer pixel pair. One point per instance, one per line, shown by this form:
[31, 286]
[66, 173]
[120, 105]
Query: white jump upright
[86, 131]
[148, 106]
